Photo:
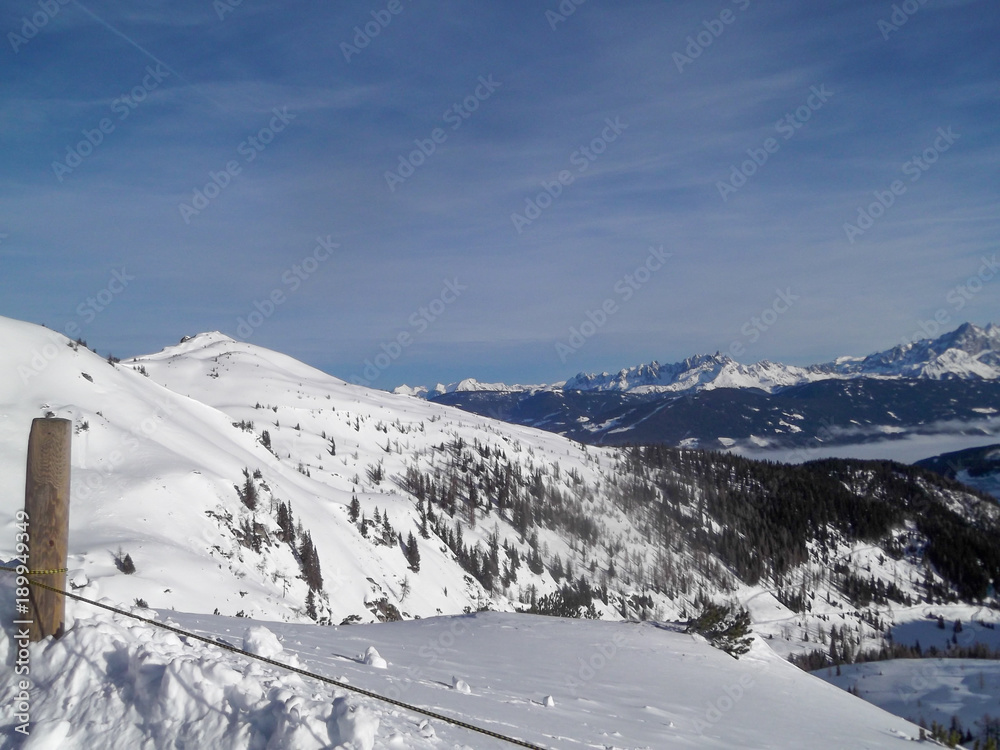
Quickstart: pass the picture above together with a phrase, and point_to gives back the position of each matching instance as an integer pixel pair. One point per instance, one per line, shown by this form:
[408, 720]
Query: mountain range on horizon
[945, 391]
[968, 352]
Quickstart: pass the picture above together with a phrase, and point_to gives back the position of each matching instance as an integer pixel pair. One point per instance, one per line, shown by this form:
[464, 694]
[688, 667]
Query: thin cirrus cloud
[657, 183]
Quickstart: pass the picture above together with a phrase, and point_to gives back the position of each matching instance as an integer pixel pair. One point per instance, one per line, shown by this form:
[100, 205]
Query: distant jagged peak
[701, 371]
[967, 352]
[464, 386]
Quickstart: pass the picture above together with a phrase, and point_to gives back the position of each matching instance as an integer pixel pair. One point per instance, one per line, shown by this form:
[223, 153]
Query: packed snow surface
[115, 683]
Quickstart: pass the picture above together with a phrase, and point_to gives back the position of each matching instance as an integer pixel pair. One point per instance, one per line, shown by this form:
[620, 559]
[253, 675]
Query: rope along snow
[38, 572]
[272, 662]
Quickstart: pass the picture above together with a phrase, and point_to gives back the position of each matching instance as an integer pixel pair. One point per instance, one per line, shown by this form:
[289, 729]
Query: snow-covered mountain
[968, 352]
[166, 443]
[243, 482]
[949, 386]
[702, 372]
[222, 469]
[469, 385]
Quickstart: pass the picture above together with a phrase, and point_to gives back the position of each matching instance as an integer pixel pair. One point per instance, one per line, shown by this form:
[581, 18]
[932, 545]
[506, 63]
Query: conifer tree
[412, 553]
[286, 523]
[310, 563]
[311, 605]
[725, 630]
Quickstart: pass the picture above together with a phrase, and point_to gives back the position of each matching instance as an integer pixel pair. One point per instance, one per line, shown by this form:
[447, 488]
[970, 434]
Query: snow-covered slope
[191, 459]
[157, 459]
[556, 683]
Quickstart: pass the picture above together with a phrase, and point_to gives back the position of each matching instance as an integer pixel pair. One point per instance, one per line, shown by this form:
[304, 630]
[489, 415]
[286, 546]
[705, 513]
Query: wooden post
[46, 502]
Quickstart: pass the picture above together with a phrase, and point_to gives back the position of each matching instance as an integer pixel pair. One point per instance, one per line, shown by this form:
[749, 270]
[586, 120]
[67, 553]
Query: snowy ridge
[702, 372]
[969, 352]
[467, 385]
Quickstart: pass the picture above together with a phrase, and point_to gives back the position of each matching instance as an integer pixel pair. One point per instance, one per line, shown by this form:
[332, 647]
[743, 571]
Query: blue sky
[736, 137]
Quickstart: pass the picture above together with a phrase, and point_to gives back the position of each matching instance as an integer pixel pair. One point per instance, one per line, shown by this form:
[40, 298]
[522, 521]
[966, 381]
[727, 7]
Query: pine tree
[725, 630]
[473, 503]
[332, 447]
[248, 493]
[412, 553]
[125, 564]
[556, 569]
[424, 530]
[310, 563]
[286, 523]
[311, 605]
[354, 510]
[388, 533]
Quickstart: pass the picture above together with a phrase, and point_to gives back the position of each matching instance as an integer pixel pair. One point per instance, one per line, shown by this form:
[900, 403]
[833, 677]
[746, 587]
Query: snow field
[112, 683]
